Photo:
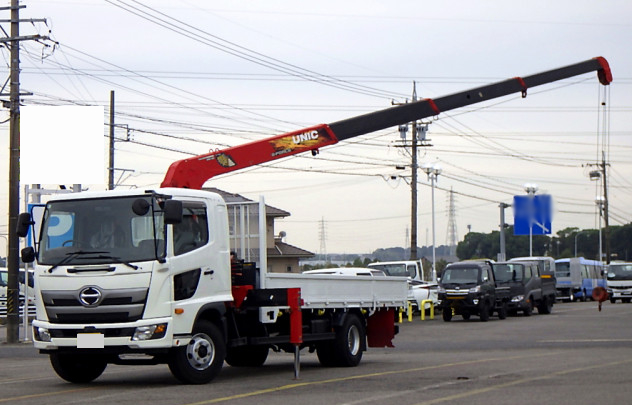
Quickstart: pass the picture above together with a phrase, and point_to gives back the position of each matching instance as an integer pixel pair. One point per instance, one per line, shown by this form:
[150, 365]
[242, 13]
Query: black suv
[469, 288]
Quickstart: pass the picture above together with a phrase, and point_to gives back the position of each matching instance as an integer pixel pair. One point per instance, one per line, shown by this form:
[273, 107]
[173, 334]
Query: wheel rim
[200, 352]
[353, 339]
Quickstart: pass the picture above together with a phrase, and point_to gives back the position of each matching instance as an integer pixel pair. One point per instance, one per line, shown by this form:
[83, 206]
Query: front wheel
[77, 368]
[201, 360]
[546, 306]
[528, 310]
[447, 314]
[502, 311]
[484, 312]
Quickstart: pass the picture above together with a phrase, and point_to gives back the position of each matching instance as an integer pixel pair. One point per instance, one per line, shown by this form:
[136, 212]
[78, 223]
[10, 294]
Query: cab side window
[192, 232]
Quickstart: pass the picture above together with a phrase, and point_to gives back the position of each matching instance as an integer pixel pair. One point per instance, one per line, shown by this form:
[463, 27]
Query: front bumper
[132, 337]
[460, 302]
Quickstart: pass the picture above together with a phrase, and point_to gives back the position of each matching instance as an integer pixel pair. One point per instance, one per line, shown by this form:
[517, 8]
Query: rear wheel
[346, 349]
[77, 368]
[201, 360]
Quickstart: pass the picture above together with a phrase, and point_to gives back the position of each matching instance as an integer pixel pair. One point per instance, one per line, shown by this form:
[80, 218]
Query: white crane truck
[144, 277]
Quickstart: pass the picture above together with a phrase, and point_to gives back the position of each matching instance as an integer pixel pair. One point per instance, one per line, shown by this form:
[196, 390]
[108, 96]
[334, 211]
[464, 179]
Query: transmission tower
[322, 234]
[451, 238]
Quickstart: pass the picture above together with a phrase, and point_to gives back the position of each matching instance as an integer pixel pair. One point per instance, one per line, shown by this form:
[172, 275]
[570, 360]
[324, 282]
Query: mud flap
[380, 329]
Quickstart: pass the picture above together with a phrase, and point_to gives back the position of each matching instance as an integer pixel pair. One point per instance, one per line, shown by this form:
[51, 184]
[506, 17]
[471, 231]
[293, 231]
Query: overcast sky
[193, 76]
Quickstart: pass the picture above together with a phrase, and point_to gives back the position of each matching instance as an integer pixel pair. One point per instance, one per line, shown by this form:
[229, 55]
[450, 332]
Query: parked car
[469, 288]
[420, 291]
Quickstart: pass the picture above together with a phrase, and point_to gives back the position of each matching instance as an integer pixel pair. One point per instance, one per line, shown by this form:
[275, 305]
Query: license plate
[90, 341]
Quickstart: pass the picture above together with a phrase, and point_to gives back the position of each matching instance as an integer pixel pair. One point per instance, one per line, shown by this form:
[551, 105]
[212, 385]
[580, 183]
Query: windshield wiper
[72, 255]
[118, 259]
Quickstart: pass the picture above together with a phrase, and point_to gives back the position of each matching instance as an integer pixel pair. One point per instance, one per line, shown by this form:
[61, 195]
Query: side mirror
[24, 222]
[173, 212]
[28, 254]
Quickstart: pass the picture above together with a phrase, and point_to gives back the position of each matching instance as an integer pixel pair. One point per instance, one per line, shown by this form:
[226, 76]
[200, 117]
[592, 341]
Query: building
[282, 257]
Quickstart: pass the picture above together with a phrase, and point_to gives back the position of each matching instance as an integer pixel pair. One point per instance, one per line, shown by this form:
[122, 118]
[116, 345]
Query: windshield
[505, 273]
[4, 278]
[95, 231]
[620, 271]
[563, 269]
[467, 275]
[396, 269]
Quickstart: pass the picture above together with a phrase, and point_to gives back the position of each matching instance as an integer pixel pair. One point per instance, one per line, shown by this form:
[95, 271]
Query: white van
[401, 268]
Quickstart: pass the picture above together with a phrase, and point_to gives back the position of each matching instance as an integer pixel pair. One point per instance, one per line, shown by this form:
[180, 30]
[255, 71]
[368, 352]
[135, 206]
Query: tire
[502, 311]
[625, 300]
[466, 315]
[545, 306]
[77, 368]
[347, 348]
[528, 311]
[447, 314]
[326, 354]
[613, 300]
[583, 296]
[201, 360]
[247, 356]
[484, 311]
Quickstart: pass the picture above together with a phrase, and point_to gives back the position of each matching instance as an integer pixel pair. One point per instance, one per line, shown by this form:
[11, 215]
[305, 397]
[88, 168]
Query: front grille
[126, 305]
[109, 333]
[621, 287]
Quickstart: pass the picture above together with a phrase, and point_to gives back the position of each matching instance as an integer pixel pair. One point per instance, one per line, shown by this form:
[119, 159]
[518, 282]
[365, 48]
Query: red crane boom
[194, 172]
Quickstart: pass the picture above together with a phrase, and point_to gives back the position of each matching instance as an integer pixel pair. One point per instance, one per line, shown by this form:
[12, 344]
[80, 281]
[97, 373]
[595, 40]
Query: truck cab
[403, 268]
[619, 282]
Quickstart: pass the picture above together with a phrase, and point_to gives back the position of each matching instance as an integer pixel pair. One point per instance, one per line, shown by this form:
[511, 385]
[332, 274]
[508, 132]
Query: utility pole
[413, 186]
[13, 259]
[111, 165]
[418, 130]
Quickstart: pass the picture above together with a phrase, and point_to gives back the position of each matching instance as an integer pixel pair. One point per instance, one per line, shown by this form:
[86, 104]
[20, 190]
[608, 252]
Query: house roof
[236, 198]
[282, 249]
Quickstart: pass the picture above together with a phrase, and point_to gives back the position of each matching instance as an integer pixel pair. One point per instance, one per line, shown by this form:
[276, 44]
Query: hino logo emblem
[90, 296]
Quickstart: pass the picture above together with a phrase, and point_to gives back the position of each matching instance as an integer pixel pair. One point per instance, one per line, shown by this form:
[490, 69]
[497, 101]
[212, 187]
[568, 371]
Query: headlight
[475, 289]
[41, 334]
[517, 298]
[150, 332]
[475, 302]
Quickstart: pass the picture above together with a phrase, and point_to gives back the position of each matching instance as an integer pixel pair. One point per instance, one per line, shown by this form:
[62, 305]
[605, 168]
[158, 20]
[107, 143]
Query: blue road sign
[532, 213]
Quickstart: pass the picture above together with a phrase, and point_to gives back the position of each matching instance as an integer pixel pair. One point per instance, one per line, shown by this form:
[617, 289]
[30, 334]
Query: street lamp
[531, 189]
[432, 171]
[600, 201]
[576, 235]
